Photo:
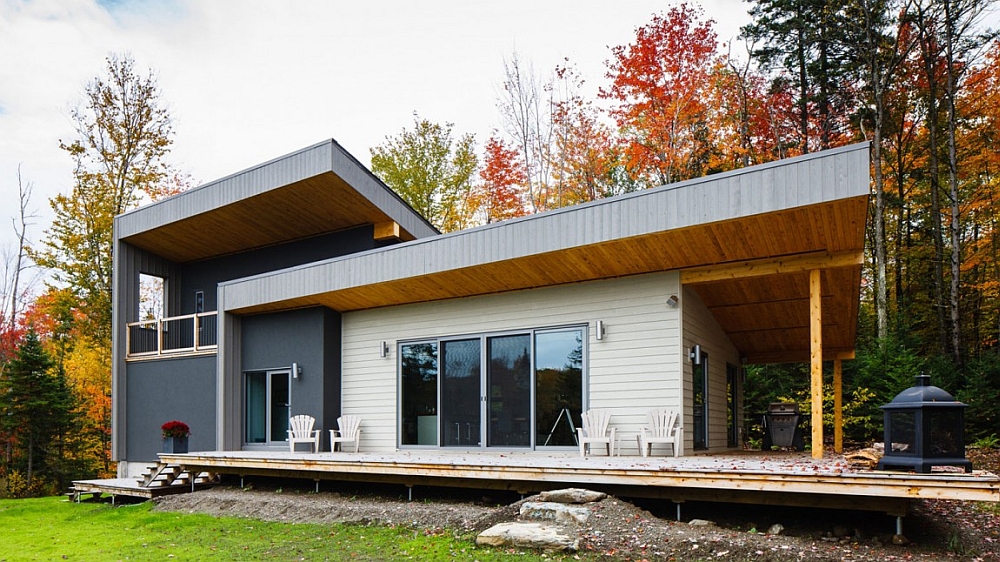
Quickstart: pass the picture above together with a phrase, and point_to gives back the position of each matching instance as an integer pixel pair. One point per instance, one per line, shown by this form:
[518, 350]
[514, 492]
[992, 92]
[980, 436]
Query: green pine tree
[36, 411]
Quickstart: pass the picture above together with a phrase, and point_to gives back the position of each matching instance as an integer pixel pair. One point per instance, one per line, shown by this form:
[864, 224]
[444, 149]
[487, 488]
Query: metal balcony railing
[176, 335]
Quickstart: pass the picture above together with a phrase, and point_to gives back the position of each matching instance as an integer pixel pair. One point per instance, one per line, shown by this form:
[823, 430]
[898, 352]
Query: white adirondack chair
[302, 432]
[595, 430]
[349, 432]
[664, 427]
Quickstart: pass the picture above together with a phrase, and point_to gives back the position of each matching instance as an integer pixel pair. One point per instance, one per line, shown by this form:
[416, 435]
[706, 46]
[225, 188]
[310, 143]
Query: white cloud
[247, 81]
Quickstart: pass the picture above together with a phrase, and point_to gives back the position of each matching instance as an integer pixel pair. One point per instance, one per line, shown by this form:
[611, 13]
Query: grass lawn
[56, 529]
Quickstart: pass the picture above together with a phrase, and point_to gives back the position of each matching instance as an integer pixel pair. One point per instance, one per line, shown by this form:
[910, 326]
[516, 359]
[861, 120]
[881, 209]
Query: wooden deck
[774, 479]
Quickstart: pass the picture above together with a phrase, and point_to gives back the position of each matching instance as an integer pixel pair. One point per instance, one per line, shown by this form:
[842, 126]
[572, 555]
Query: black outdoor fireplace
[924, 428]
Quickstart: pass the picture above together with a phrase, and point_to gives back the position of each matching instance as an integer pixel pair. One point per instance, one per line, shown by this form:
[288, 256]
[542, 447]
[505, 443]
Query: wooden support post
[838, 405]
[816, 360]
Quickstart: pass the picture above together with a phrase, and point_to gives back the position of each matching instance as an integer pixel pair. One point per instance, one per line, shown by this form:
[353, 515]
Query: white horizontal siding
[701, 328]
[635, 368]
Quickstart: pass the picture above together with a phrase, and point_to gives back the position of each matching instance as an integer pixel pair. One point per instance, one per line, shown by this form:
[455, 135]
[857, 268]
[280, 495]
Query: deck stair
[163, 475]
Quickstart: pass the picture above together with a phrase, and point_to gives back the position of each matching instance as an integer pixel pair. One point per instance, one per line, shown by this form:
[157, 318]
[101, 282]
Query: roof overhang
[314, 191]
[744, 240]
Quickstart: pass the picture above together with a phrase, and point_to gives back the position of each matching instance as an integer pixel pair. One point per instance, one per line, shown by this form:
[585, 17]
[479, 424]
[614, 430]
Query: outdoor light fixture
[296, 370]
[696, 354]
[599, 329]
[672, 301]
[383, 349]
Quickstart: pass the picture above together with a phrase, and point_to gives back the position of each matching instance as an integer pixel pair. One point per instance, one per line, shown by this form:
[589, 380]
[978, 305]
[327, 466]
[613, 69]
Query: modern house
[306, 286]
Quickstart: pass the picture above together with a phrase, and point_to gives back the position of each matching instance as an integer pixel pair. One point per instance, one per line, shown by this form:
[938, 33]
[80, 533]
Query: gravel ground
[623, 530]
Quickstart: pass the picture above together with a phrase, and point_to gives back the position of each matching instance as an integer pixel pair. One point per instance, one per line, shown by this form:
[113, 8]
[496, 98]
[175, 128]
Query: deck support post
[678, 504]
[899, 525]
[317, 485]
[816, 360]
[838, 405]
[409, 492]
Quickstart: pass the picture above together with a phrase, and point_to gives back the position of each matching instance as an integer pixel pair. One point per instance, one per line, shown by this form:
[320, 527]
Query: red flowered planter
[175, 437]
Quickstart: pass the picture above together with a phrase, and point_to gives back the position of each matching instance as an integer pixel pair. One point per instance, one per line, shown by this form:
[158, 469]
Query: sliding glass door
[267, 403]
[516, 390]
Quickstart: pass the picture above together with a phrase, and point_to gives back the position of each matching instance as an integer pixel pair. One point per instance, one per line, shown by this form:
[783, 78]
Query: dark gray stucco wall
[309, 337]
[170, 389]
[207, 274]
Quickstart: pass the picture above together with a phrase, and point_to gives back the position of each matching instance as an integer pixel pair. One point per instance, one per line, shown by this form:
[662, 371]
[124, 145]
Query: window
[699, 373]
[512, 390]
[152, 297]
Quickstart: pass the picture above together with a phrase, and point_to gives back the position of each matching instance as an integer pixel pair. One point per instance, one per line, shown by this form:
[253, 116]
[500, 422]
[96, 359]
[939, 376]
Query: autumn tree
[124, 134]
[497, 196]
[586, 155]
[430, 170]
[658, 88]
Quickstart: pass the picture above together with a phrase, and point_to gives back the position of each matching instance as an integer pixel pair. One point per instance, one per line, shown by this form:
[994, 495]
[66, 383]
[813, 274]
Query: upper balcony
[191, 334]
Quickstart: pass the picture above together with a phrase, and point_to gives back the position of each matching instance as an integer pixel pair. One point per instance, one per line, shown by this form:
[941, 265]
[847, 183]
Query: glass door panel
[508, 379]
[558, 387]
[418, 390]
[699, 372]
[461, 393]
[255, 407]
[280, 405]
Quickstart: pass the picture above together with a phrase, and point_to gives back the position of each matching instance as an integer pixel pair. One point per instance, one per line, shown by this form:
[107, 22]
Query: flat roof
[745, 240]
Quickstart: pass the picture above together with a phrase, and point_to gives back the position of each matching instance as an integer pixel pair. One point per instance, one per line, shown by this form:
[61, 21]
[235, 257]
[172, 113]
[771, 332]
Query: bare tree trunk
[21, 231]
[955, 227]
[961, 47]
[530, 125]
[929, 54]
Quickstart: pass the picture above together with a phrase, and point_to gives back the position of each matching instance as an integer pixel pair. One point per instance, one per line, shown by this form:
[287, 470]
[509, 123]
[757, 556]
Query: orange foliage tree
[659, 86]
[498, 196]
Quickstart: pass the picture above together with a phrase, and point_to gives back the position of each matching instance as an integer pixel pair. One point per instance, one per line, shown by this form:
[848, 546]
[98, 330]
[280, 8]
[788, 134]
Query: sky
[247, 81]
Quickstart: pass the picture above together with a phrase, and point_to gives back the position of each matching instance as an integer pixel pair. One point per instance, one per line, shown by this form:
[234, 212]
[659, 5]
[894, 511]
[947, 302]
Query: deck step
[165, 475]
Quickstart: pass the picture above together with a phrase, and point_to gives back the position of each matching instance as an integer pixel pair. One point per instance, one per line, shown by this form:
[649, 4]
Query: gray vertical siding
[275, 341]
[129, 262]
[165, 390]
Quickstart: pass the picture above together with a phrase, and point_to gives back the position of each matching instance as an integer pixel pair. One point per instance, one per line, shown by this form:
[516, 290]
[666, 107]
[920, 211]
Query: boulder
[571, 495]
[558, 512]
[529, 535]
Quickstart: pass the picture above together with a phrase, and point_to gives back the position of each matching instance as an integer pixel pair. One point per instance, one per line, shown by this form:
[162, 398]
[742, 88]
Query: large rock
[529, 535]
[558, 512]
[572, 495]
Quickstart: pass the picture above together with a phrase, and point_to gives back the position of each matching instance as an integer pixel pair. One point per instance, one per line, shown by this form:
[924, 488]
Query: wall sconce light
[383, 349]
[696, 354]
[599, 329]
[296, 370]
[672, 301]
